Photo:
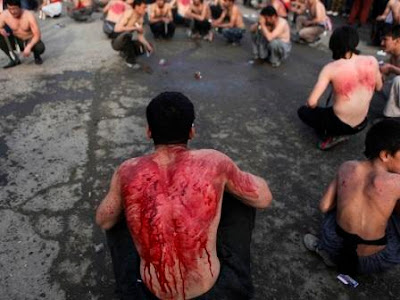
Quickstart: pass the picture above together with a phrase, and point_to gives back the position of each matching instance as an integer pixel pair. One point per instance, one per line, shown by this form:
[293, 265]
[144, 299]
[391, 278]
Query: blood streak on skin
[118, 8]
[364, 76]
[169, 211]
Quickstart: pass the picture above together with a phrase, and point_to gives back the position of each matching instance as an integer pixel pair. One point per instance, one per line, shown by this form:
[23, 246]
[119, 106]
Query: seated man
[271, 37]
[161, 20]
[391, 45]
[130, 25]
[50, 8]
[80, 10]
[179, 10]
[200, 14]
[172, 200]
[114, 11]
[309, 28]
[231, 22]
[389, 18]
[25, 33]
[360, 232]
[354, 79]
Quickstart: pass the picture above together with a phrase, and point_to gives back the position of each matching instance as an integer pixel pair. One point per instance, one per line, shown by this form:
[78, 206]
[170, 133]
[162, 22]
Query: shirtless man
[129, 25]
[354, 79]
[80, 10]
[391, 45]
[309, 28]
[391, 13]
[161, 20]
[360, 230]
[200, 14]
[271, 37]
[114, 11]
[172, 201]
[231, 22]
[24, 31]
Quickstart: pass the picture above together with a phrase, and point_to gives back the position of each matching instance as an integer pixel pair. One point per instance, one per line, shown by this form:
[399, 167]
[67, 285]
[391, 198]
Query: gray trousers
[308, 33]
[274, 51]
[392, 108]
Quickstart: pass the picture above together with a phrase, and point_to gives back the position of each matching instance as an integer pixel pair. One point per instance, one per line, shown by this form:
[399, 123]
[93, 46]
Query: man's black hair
[384, 135]
[170, 117]
[13, 3]
[343, 40]
[393, 31]
[138, 3]
[268, 11]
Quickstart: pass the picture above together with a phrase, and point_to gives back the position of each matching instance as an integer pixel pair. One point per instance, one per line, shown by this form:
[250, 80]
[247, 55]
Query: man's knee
[39, 48]
[303, 111]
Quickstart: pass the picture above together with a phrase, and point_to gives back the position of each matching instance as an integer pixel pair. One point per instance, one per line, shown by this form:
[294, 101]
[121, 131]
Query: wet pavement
[66, 125]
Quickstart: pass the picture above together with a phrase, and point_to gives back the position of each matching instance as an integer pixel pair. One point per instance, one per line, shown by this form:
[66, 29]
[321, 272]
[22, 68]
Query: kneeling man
[25, 33]
[192, 239]
[271, 37]
[360, 233]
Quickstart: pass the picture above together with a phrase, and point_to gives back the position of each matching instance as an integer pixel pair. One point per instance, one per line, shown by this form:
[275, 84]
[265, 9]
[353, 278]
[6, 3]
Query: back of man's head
[343, 40]
[170, 117]
[383, 136]
[268, 11]
[13, 3]
[393, 32]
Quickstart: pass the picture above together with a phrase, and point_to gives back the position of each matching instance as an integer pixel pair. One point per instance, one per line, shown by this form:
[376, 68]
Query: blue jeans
[233, 35]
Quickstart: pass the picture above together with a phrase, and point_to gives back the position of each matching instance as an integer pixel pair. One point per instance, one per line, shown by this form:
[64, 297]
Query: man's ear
[384, 155]
[192, 133]
[148, 133]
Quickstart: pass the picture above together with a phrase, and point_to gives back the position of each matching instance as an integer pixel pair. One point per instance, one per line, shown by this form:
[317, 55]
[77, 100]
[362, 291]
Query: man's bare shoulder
[350, 166]
[215, 155]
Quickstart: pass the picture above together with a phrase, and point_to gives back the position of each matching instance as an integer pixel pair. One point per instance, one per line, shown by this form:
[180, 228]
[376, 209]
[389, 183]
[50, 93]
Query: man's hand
[386, 69]
[27, 51]
[4, 33]
[149, 48]
[139, 29]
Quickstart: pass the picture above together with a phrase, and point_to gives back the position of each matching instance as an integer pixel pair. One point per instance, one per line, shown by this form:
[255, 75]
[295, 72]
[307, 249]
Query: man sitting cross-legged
[271, 37]
[354, 79]
[192, 240]
[200, 14]
[22, 30]
[360, 232]
[161, 20]
[231, 22]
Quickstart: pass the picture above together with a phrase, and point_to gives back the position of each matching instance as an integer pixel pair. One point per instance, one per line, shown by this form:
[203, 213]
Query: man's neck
[163, 147]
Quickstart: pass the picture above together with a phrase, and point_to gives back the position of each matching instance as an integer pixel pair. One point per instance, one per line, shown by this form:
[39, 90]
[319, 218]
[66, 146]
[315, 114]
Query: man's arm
[110, 208]
[232, 19]
[2, 24]
[378, 77]
[251, 189]
[170, 17]
[107, 7]
[275, 33]
[388, 8]
[218, 22]
[35, 34]
[328, 201]
[320, 15]
[319, 88]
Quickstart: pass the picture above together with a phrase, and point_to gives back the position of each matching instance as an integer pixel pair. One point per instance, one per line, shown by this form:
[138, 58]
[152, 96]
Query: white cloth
[53, 9]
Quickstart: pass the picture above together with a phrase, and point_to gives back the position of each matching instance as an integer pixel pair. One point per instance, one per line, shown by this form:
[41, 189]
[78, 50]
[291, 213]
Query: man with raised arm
[271, 37]
[354, 78]
[231, 22]
[128, 36]
[360, 232]
[24, 31]
[193, 241]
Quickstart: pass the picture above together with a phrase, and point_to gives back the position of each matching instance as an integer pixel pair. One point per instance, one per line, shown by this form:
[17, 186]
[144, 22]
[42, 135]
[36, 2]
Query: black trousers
[233, 249]
[201, 27]
[163, 30]
[130, 48]
[326, 123]
[37, 49]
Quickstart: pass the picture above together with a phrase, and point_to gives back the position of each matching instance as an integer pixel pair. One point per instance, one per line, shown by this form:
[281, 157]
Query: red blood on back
[118, 8]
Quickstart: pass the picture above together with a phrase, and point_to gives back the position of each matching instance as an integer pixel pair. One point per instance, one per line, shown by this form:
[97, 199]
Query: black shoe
[12, 63]
[38, 60]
